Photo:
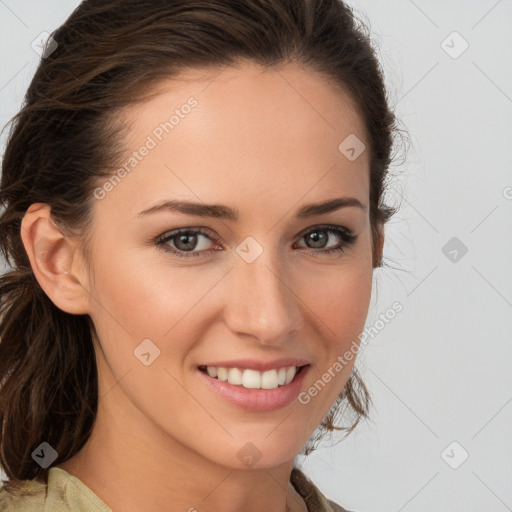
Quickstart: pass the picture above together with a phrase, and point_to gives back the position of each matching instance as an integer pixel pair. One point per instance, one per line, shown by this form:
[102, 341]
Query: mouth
[253, 379]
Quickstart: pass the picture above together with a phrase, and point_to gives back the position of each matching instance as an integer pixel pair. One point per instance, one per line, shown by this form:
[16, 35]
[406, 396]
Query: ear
[55, 260]
[378, 246]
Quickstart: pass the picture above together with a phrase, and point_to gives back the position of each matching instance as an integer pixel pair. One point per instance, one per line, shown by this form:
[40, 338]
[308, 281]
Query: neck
[132, 465]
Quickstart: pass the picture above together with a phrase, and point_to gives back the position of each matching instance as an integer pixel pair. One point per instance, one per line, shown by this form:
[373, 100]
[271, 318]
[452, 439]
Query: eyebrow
[219, 211]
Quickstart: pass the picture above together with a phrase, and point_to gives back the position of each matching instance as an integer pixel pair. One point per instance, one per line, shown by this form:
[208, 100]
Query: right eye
[184, 240]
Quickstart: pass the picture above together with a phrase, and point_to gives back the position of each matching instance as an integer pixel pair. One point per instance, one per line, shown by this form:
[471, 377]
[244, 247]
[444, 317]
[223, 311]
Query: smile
[253, 379]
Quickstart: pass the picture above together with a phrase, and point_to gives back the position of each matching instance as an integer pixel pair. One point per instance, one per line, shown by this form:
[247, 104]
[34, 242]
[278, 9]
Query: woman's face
[255, 288]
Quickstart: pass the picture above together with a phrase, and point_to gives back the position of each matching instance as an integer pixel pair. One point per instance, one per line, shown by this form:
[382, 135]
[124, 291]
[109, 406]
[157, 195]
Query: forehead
[254, 129]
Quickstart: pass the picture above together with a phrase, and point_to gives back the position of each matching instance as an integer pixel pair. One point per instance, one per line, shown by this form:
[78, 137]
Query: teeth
[290, 373]
[253, 379]
[222, 373]
[269, 379]
[235, 376]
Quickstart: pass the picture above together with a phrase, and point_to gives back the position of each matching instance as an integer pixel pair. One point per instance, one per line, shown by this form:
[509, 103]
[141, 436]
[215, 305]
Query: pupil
[317, 238]
[184, 237]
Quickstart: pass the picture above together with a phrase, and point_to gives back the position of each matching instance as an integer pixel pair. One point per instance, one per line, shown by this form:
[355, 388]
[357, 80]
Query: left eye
[187, 242]
[320, 235]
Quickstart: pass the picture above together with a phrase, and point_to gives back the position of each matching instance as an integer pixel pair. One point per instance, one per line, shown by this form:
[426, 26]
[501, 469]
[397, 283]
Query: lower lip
[257, 399]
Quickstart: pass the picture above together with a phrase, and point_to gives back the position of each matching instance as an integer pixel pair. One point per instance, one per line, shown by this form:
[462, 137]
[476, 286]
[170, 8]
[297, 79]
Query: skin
[264, 141]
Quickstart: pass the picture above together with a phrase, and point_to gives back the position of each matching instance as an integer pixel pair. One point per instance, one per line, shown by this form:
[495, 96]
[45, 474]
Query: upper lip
[261, 366]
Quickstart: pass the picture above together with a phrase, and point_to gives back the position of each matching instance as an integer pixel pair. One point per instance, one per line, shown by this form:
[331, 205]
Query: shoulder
[314, 499]
[62, 492]
[26, 496]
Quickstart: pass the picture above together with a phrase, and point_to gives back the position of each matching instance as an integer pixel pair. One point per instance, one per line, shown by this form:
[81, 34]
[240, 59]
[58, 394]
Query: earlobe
[51, 256]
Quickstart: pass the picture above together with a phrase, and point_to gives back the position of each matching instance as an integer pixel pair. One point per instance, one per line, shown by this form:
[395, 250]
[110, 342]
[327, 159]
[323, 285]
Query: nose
[261, 300]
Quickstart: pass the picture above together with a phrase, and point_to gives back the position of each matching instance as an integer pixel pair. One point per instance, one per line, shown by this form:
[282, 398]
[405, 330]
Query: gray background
[439, 372]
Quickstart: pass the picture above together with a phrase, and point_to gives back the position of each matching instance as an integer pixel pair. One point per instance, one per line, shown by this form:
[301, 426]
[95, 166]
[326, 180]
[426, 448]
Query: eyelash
[344, 234]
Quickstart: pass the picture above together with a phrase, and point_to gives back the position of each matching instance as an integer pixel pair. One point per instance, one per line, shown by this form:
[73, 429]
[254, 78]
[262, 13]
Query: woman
[193, 199]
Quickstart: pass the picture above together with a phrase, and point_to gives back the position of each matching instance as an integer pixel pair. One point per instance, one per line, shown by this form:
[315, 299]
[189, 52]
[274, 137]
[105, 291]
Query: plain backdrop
[440, 371]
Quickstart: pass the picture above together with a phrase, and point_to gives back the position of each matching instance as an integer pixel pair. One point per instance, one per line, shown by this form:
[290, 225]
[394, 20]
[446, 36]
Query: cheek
[143, 295]
[339, 305]
[340, 299]
[137, 300]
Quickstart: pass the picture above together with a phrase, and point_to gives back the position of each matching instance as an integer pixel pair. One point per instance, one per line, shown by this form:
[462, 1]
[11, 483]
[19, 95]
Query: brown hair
[64, 140]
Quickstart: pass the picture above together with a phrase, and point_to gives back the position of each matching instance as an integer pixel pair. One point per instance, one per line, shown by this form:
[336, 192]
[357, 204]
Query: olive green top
[64, 493]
